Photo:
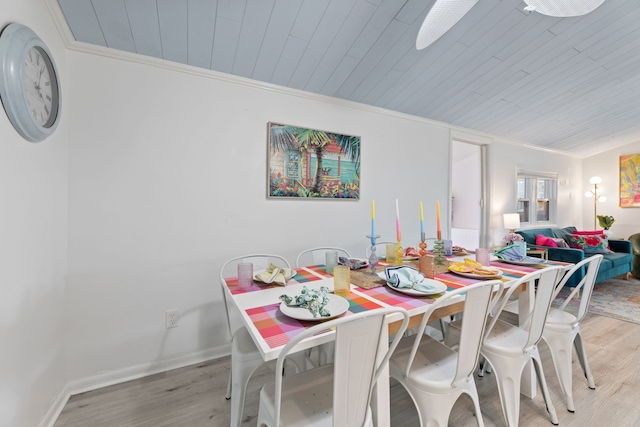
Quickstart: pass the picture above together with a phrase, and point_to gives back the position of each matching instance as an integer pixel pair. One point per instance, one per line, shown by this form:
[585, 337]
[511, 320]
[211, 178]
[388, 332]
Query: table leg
[528, 384]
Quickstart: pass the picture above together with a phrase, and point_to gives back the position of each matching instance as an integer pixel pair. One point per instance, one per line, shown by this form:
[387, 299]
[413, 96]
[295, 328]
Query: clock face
[40, 87]
[29, 83]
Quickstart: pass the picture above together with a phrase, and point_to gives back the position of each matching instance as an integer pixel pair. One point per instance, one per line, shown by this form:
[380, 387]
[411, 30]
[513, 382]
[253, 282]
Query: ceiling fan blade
[564, 8]
[443, 15]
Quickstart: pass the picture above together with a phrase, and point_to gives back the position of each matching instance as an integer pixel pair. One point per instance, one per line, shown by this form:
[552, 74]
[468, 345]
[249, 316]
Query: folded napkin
[405, 277]
[314, 300]
[352, 263]
[275, 274]
[510, 253]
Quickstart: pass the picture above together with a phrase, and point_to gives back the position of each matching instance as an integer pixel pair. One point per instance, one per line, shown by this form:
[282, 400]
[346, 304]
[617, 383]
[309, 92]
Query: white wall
[507, 158]
[168, 180]
[33, 254]
[606, 166]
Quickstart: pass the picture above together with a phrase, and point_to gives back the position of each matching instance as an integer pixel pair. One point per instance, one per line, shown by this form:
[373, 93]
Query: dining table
[259, 306]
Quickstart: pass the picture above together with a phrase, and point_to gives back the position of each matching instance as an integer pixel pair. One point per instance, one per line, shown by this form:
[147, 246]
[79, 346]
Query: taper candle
[373, 218]
[398, 233]
[421, 223]
[438, 220]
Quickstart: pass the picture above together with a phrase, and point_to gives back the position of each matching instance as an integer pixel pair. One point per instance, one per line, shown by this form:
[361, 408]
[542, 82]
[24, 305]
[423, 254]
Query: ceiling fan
[444, 14]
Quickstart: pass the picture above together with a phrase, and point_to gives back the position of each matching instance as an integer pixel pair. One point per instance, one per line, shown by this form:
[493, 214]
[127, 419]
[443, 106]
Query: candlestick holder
[423, 248]
[399, 253]
[373, 257]
[440, 263]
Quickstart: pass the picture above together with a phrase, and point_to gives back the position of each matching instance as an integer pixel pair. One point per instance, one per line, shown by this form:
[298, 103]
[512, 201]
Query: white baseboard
[56, 407]
[127, 374]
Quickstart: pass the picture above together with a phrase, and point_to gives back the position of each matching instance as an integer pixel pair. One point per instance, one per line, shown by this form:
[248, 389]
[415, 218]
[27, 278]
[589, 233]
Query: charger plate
[497, 275]
[337, 305]
[440, 288]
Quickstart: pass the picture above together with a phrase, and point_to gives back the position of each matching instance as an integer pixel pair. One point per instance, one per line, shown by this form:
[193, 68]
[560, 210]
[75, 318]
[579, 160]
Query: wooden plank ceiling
[569, 84]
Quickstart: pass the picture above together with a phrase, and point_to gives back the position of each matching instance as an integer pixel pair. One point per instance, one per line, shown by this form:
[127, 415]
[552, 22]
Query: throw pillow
[589, 233]
[592, 233]
[560, 242]
[545, 241]
[590, 244]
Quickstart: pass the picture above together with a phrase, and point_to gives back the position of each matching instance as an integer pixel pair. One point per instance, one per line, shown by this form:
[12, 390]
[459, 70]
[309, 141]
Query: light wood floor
[194, 395]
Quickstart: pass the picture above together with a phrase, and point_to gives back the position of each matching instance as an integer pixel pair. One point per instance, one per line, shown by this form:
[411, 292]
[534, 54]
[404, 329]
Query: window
[536, 197]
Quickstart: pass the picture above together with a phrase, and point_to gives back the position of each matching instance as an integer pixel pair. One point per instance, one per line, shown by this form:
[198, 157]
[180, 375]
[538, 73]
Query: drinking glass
[341, 280]
[390, 253]
[483, 256]
[330, 261]
[448, 247]
[245, 274]
[523, 248]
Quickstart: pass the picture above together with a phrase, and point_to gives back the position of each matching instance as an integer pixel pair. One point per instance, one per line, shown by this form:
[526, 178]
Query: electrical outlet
[171, 318]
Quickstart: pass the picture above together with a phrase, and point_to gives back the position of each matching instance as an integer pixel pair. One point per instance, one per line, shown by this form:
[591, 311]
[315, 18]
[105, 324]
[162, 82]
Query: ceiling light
[564, 8]
[443, 15]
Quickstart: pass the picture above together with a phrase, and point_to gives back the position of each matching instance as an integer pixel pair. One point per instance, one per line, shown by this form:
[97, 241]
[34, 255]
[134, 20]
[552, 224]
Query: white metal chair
[562, 329]
[318, 255]
[435, 375]
[245, 357]
[508, 348]
[337, 394]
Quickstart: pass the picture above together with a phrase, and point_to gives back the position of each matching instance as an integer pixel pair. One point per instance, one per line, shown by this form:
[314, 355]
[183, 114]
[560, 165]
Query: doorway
[469, 194]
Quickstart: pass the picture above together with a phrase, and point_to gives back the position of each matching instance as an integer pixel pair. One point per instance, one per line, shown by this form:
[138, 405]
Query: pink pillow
[589, 233]
[545, 241]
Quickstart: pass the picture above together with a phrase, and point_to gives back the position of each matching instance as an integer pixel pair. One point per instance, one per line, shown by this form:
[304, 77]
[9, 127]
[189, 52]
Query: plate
[497, 275]
[255, 273]
[440, 288]
[529, 260]
[337, 305]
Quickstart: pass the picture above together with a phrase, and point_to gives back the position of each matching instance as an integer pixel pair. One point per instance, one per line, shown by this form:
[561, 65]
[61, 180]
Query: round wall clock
[29, 85]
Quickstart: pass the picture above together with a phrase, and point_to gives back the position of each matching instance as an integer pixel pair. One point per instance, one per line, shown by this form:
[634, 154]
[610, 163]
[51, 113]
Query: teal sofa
[613, 264]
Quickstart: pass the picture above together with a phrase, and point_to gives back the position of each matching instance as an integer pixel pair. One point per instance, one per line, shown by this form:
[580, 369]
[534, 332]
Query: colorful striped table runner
[388, 296]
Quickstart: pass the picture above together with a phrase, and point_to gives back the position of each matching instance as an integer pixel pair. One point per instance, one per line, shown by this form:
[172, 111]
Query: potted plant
[606, 221]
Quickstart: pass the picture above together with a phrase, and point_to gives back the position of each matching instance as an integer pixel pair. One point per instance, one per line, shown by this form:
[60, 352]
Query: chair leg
[582, 357]
[228, 395]
[537, 363]
[476, 405]
[508, 379]
[560, 347]
[241, 374]
[434, 409]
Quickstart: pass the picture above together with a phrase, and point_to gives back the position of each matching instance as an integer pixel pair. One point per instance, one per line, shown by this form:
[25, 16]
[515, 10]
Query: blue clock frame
[16, 41]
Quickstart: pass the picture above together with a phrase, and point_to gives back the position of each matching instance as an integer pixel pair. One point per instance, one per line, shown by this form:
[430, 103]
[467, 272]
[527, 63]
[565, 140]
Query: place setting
[474, 270]
[313, 305]
[409, 281]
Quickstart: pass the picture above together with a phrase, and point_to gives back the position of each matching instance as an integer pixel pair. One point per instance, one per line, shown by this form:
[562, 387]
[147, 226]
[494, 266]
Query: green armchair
[635, 246]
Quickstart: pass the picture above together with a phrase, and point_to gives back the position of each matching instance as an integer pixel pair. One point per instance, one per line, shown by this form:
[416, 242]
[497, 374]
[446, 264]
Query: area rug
[618, 298]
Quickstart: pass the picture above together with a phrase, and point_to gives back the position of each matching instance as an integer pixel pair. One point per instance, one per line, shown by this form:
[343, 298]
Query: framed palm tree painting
[312, 164]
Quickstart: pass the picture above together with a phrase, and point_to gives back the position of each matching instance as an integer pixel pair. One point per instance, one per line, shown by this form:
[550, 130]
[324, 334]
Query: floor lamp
[595, 180]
